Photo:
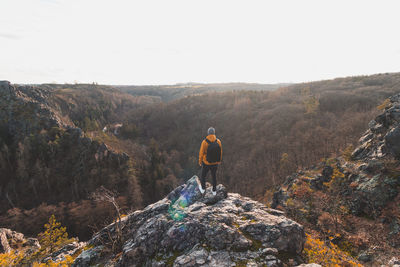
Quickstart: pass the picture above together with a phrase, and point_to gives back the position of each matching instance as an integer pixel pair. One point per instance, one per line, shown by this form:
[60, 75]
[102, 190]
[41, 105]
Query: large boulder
[67, 250]
[382, 139]
[11, 240]
[190, 229]
[392, 139]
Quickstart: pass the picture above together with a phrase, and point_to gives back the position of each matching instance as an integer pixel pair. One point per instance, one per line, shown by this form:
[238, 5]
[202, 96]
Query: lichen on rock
[187, 228]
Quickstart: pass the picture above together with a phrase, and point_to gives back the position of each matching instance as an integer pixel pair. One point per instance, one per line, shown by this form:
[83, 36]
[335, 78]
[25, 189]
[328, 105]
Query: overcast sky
[173, 41]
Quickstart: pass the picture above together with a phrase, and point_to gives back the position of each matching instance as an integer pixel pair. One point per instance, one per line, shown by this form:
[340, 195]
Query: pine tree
[53, 237]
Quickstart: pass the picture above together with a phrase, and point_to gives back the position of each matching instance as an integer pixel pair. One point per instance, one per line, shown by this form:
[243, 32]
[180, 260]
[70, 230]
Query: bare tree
[105, 195]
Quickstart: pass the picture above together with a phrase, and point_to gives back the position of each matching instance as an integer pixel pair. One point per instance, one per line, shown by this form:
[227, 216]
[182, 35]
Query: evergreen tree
[53, 237]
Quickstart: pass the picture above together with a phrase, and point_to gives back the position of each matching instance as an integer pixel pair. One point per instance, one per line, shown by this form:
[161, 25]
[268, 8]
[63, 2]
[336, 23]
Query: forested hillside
[50, 166]
[60, 143]
[265, 135]
[172, 92]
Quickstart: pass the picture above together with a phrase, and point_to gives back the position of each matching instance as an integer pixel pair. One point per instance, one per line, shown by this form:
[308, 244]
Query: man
[210, 156]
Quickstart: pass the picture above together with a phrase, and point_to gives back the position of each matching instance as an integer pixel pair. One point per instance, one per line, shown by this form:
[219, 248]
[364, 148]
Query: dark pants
[213, 169]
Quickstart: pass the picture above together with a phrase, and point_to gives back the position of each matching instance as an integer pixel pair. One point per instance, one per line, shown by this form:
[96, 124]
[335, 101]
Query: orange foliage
[317, 251]
[303, 191]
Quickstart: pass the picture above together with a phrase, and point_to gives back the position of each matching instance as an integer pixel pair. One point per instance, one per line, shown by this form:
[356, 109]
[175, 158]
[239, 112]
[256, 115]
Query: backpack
[213, 151]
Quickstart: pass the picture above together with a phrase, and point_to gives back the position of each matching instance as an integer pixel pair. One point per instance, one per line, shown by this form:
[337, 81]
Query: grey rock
[67, 250]
[247, 206]
[4, 245]
[10, 240]
[4, 85]
[394, 261]
[366, 137]
[365, 257]
[87, 257]
[203, 230]
[395, 98]
[378, 128]
[394, 113]
[279, 198]
[196, 257]
[327, 172]
[220, 258]
[275, 212]
[382, 139]
[270, 251]
[392, 139]
[373, 166]
[373, 193]
[372, 124]
[31, 245]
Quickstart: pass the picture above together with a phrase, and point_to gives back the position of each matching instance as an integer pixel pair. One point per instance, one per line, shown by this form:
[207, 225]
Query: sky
[179, 41]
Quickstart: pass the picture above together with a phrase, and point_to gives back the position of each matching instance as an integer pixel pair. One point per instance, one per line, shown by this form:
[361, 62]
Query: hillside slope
[265, 135]
[53, 156]
[50, 166]
[353, 201]
[167, 93]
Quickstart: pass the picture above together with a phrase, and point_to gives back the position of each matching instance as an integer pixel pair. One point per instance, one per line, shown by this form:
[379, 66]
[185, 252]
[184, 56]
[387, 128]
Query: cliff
[47, 162]
[188, 229]
[352, 201]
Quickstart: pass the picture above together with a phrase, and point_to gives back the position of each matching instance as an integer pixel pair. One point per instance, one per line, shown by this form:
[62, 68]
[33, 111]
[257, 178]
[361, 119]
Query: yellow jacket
[203, 150]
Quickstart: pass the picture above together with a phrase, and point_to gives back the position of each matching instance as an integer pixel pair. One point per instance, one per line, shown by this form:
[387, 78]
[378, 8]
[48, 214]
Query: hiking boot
[201, 189]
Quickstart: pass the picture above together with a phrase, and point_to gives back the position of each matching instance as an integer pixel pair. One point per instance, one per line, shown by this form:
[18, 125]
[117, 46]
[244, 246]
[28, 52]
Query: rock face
[34, 132]
[28, 110]
[365, 185]
[69, 249]
[25, 110]
[374, 185]
[383, 136]
[10, 240]
[189, 229]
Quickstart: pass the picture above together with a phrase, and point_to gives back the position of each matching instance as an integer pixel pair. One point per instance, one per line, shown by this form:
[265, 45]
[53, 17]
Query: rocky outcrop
[377, 183]
[373, 183]
[189, 229]
[28, 110]
[38, 142]
[351, 188]
[382, 139]
[395, 262]
[25, 110]
[11, 240]
[67, 250]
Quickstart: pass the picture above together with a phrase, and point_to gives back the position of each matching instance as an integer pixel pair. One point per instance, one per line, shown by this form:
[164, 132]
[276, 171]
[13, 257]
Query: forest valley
[62, 143]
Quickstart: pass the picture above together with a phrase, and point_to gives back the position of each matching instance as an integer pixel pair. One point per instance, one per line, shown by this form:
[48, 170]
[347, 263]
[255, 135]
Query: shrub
[53, 237]
[303, 192]
[347, 153]
[385, 104]
[11, 258]
[325, 222]
[336, 183]
[317, 251]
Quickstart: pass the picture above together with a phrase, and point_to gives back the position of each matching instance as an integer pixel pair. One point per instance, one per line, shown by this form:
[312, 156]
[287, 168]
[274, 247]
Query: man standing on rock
[210, 156]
